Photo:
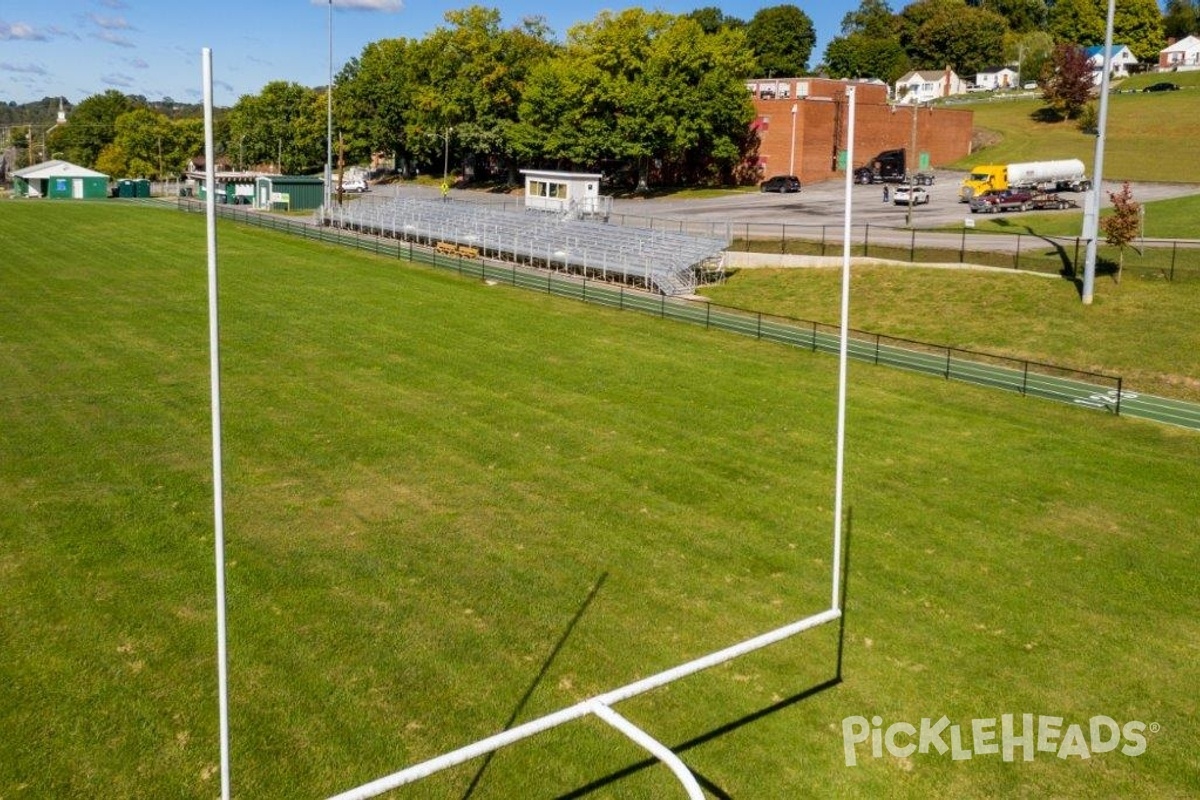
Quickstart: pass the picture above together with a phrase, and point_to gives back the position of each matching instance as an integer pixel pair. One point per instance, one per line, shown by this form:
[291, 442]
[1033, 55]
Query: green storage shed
[289, 192]
[60, 179]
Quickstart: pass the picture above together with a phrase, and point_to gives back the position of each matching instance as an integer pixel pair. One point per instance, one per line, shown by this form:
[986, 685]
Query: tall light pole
[329, 117]
[1091, 215]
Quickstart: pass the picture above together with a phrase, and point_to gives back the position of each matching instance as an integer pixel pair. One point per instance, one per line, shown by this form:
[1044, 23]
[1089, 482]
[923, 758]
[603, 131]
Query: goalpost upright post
[214, 335]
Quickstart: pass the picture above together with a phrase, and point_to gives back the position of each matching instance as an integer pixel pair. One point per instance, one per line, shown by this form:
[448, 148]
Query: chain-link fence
[1023, 376]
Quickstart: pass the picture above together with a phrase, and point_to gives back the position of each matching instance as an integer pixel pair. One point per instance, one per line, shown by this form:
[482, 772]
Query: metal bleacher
[670, 263]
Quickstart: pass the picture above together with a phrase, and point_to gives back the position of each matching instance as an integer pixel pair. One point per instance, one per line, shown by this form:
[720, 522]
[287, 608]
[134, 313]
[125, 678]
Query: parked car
[1161, 86]
[914, 195]
[781, 183]
[354, 185]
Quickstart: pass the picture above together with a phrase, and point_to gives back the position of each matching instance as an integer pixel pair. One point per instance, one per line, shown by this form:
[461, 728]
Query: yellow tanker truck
[1043, 176]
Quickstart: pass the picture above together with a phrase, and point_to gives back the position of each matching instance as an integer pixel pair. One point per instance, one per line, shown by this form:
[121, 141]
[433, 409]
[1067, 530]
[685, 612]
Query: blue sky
[77, 48]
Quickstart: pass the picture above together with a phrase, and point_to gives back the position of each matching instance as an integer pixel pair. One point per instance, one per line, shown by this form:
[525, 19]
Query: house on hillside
[1123, 60]
[1181, 55]
[997, 78]
[922, 86]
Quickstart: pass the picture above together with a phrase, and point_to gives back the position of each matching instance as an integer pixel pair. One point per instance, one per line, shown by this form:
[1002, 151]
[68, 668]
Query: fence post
[758, 333]
[1024, 376]
[1075, 262]
[1120, 382]
[707, 314]
[878, 337]
[912, 247]
[867, 241]
[822, 241]
[948, 352]
[962, 247]
[1017, 255]
[814, 332]
[1174, 249]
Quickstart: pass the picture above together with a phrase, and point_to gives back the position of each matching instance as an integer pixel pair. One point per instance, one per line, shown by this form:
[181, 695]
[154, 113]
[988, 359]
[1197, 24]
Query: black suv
[781, 183]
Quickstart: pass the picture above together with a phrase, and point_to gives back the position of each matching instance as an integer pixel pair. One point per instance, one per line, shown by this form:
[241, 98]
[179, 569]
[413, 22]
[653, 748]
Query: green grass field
[450, 505]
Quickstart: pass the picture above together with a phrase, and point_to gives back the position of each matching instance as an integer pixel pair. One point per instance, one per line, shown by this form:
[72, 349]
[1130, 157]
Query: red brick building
[801, 125]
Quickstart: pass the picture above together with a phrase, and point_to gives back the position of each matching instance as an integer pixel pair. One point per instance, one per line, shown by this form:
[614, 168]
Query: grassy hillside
[451, 505]
[1150, 135]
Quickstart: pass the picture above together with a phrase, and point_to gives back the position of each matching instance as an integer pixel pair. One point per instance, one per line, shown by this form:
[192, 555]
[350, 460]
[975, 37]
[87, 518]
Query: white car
[905, 194]
[354, 185]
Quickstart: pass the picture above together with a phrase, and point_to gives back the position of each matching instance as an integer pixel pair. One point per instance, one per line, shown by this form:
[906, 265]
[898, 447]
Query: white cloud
[113, 38]
[110, 23]
[31, 69]
[117, 79]
[20, 31]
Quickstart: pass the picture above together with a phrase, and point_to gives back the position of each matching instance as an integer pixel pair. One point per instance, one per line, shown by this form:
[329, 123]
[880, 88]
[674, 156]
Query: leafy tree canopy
[782, 38]
[1181, 18]
[1138, 24]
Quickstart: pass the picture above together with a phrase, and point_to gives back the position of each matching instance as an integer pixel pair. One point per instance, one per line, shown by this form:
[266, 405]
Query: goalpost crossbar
[600, 705]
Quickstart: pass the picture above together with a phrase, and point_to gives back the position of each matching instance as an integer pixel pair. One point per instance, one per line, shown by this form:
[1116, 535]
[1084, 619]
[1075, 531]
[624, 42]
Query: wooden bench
[447, 248]
[467, 251]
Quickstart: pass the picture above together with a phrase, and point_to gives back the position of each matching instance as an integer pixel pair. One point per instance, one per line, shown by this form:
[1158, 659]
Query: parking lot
[824, 203]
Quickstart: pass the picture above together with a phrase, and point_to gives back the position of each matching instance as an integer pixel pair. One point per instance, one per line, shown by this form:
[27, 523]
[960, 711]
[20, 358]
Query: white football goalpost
[600, 706]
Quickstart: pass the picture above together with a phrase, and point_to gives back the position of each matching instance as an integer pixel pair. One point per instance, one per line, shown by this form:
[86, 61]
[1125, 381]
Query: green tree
[1022, 16]
[861, 56]
[140, 137]
[472, 77]
[1138, 24]
[282, 126]
[713, 19]
[636, 89]
[1076, 22]
[1067, 81]
[374, 100]
[949, 32]
[1181, 18]
[1122, 226]
[1030, 52]
[874, 18]
[782, 38]
[91, 126]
